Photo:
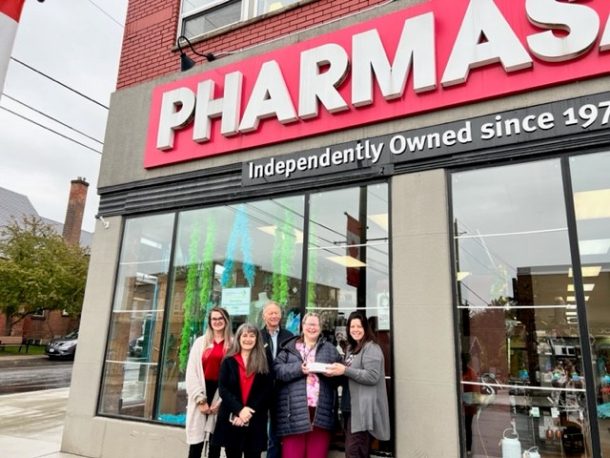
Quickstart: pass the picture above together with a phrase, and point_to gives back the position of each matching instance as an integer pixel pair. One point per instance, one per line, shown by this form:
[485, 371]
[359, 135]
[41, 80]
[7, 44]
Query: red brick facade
[149, 43]
[75, 211]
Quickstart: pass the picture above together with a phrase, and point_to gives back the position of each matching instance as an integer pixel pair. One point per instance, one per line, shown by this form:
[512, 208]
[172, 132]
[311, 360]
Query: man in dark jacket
[273, 337]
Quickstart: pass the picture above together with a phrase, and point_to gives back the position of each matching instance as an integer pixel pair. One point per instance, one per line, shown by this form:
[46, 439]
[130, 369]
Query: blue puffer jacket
[292, 411]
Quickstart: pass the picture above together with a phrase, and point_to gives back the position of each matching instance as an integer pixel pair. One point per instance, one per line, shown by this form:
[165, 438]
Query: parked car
[62, 347]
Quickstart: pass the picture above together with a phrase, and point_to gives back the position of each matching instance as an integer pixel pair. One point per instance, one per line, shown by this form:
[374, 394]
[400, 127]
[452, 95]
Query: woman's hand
[204, 408]
[214, 408]
[236, 421]
[245, 414]
[335, 369]
[304, 369]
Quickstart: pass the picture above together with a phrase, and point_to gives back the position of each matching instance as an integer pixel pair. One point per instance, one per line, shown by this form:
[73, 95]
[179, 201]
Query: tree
[38, 270]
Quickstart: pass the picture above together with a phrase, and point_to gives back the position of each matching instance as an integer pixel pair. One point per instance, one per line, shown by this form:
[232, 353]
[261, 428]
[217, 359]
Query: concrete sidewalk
[31, 424]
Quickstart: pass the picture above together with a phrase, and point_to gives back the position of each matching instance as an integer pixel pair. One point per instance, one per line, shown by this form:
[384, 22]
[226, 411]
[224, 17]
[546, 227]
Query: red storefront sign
[430, 56]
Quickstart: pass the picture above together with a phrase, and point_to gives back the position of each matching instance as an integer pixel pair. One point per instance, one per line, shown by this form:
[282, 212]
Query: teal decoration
[179, 419]
[239, 233]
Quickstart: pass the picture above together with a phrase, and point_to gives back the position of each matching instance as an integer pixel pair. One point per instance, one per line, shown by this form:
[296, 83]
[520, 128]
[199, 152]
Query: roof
[14, 206]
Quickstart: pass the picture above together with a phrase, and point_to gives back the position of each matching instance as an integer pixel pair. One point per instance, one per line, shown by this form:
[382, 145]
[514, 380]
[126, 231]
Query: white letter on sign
[368, 56]
[580, 22]
[270, 97]
[604, 45]
[228, 107]
[316, 84]
[483, 19]
[176, 110]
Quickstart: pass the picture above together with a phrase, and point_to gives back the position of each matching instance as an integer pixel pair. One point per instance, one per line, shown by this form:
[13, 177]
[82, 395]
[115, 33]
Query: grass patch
[14, 350]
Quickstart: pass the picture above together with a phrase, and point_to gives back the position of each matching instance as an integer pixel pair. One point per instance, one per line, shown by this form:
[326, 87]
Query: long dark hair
[257, 362]
[368, 332]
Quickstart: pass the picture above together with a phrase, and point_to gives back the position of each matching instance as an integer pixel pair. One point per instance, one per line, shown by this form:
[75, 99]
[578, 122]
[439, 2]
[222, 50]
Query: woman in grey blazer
[364, 400]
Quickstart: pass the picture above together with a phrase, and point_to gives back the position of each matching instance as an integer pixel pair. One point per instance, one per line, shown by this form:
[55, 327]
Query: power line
[52, 118]
[106, 13]
[60, 83]
[49, 129]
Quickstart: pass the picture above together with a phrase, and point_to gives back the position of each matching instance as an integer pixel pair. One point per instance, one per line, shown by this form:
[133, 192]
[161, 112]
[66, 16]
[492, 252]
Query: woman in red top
[245, 386]
[202, 374]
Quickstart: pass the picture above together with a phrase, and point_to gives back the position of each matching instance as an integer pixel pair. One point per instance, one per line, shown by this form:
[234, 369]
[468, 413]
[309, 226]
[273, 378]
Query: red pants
[313, 444]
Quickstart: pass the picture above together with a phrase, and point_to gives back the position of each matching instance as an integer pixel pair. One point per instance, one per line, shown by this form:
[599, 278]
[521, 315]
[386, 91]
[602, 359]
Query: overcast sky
[77, 43]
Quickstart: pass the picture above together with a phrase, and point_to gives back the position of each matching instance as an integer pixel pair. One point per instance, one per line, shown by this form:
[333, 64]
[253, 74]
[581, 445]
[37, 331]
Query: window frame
[249, 10]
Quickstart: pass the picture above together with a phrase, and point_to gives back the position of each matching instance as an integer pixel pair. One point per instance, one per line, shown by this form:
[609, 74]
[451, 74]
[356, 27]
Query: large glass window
[132, 353]
[522, 365]
[348, 263]
[591, 187]
[203, 16]
[239, 256]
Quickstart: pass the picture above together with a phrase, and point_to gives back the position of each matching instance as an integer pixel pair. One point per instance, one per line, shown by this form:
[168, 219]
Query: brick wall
[152, 25]
[75, 211]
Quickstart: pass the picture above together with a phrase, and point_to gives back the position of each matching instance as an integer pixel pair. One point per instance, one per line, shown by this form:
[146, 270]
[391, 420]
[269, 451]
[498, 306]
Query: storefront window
[591, 187]
[348, 264]
[132, 353]
[238, 257]
[521, 357]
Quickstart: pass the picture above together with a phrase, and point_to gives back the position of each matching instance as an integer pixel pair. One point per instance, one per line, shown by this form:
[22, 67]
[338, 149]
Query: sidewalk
[31, 424]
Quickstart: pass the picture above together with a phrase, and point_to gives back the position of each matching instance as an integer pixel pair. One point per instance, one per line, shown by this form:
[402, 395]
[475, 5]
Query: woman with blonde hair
[202, 372]
[245, 386]
[306, 396]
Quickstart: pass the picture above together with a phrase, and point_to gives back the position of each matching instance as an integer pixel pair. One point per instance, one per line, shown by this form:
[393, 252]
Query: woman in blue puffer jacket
[306, 397]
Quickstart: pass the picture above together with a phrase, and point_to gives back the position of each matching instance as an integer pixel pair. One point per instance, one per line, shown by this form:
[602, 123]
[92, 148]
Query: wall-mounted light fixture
[186, 62]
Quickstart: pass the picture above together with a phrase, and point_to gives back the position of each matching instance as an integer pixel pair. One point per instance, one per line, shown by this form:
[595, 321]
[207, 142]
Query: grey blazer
[369, 398]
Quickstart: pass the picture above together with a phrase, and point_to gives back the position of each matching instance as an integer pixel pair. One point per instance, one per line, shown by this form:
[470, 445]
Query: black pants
[195, 450]
[357, 445]
[468, 426]
[237, 453]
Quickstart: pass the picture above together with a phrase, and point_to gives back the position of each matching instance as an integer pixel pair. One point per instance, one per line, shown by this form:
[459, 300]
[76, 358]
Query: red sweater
[211, 359]
[245, 380]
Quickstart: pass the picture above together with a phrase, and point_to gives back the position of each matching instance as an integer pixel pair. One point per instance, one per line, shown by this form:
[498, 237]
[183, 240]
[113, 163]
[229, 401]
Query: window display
[522, 364]
[240, 256]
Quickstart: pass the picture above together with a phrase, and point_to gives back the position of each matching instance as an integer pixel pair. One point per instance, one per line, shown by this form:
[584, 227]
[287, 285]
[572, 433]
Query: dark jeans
[237, 453]
[357, 445]
[274, 449]
[196, 450]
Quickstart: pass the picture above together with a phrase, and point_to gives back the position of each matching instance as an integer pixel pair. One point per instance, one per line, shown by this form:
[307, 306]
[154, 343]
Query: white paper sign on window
[236, 300]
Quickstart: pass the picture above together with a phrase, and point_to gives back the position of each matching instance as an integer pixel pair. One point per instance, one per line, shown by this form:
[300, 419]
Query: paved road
[34, 374]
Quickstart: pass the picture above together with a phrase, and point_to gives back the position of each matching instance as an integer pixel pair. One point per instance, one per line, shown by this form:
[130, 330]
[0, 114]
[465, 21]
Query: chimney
[75, 211]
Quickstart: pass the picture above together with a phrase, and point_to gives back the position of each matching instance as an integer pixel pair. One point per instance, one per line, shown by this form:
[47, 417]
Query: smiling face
[311, 328]
[247, 340]
[217, 321]
[272, 316]
[356, 331]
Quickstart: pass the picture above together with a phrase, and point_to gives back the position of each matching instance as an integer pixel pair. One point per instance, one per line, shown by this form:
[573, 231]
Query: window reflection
[591, 187]
[132, 353]
[237, 257]
[522, 371]
[348, 264]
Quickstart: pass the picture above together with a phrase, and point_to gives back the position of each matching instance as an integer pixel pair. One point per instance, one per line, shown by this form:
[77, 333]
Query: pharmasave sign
[433, 55]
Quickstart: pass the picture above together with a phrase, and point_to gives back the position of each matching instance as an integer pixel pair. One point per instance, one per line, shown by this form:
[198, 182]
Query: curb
[22, 361]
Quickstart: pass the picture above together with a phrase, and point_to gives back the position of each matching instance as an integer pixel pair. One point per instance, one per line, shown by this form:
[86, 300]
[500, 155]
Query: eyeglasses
[217, 319]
